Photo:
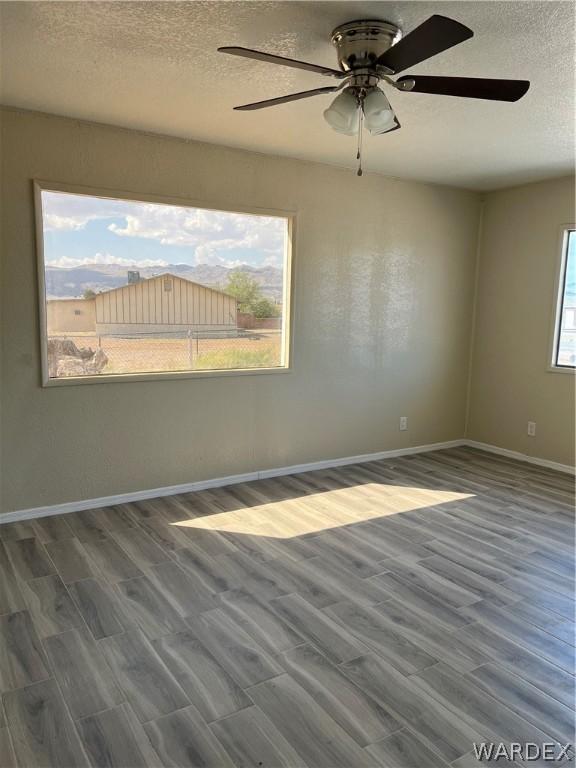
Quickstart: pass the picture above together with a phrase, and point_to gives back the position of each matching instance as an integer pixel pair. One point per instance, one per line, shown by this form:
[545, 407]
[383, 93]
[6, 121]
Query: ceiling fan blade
[290, 97]
[272, 59]
[435, 35]
[469, 87]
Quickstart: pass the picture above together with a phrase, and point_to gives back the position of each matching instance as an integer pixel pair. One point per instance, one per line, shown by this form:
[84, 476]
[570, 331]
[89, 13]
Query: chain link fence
[76, 354]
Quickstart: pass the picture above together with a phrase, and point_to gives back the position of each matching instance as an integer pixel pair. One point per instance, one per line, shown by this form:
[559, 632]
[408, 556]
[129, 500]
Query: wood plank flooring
[388, 614]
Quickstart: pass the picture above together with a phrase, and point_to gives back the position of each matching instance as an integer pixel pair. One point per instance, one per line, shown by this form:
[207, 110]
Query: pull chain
[359, 153]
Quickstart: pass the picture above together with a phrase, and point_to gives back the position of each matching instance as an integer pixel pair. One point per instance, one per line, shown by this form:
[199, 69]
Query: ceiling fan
[370, 51]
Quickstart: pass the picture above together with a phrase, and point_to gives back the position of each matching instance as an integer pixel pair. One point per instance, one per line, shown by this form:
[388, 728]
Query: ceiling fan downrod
[359, 153]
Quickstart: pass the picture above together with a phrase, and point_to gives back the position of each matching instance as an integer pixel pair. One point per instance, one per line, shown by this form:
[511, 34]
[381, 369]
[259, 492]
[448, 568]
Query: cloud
[104, 258]
[52, 221]
[66, 212]
[209, 232]
[211, 235]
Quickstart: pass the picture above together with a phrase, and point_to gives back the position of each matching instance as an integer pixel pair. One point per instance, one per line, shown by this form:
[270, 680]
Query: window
[159, 288]
[564, 348]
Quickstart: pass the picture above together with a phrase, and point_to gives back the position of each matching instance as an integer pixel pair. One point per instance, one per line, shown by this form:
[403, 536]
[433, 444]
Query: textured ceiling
[154, 66]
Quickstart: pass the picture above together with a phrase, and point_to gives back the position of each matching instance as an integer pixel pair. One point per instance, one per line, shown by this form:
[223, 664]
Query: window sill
[131, 378]
[561, 369]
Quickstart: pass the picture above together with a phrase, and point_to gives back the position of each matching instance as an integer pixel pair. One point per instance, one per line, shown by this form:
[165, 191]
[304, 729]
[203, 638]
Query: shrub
[237, 358]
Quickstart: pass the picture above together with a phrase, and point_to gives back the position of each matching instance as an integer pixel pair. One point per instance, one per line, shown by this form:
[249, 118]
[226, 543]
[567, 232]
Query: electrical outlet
[532, 428]
[403, 423]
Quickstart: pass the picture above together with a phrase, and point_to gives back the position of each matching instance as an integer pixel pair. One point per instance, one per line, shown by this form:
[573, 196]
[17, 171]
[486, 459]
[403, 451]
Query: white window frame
[288, 297]
[562, 259]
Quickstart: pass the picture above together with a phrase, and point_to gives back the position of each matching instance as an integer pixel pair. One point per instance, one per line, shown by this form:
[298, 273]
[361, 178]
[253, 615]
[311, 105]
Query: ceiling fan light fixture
[379, 116]
[343, 114]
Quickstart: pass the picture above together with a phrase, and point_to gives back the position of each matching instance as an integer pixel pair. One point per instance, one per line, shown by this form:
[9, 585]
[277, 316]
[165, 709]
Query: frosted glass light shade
[343, 114]
[378, 114]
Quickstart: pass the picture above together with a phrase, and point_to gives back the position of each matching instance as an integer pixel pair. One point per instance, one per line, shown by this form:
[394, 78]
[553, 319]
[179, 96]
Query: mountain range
[72, 282]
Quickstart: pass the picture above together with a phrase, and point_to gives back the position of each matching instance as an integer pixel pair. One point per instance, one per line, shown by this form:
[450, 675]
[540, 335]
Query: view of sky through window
[566, 349]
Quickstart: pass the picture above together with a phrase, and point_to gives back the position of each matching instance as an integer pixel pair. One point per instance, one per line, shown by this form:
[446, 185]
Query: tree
[245, 290]
[89, 294]
[265, 308]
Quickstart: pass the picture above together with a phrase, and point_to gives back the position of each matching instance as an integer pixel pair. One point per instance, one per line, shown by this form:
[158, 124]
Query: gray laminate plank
[22, 658]
[483, 588]
[112, 561]
[109, 740]
[564, 566]
[235, 650]
[391, 544]
[11, 599]
[442, 731]
[182, 739]
[23, 529]
[252, 740]
[431, 636]
[533, 668]
[7, 756]
[212, 572]
[100, 609]
[462, 558]
[257, 577]
[142, 676]
[147, 606]
[213, 543]
[349, 555]
[86, 526]
[360, 716]
[420, 601]
[306, 725]
[266, 627]
[544, 597]
[473, 706]
[29, 558]
[525, 634]
[381, 636]
[53, 528]
[337, 642]
[470, 760]
[167, 536]
[344, 586]
[50, 605]
[549, 621]
[310, 584]
[523, 568]
[114, 518]
[528, 702]
[404, 749]
[142, 550]
[186, 593]
[42, 732]
[71, 560]
[214, 692]
[83, 675]
[450, 594]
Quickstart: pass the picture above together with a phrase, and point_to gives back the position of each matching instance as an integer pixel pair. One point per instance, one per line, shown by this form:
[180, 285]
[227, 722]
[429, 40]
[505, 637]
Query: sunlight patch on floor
[322, 511]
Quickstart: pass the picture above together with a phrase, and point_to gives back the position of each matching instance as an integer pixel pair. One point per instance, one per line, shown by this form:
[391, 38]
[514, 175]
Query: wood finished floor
[384, 614]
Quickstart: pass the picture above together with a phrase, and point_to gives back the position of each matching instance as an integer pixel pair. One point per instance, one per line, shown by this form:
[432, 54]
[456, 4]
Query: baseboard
[217, 482]
[566, 468]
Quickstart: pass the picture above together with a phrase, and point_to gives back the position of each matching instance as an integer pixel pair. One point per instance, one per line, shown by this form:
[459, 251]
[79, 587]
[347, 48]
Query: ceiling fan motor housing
[360, 43]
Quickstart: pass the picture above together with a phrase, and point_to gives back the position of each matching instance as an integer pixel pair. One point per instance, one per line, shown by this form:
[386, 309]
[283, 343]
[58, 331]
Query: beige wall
[383, 289]
[510, 383]
[61, 316]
